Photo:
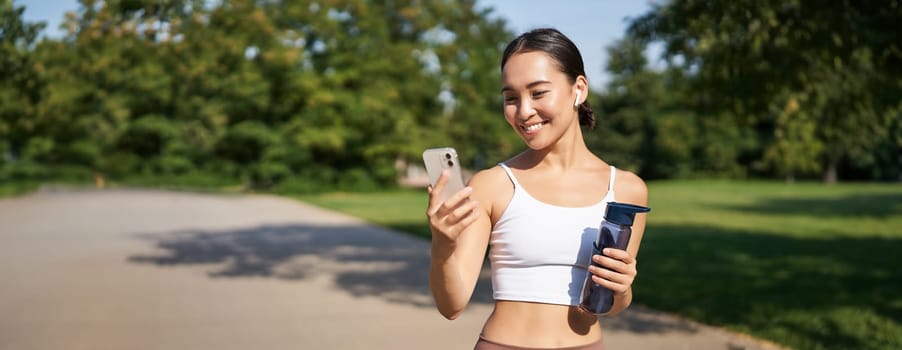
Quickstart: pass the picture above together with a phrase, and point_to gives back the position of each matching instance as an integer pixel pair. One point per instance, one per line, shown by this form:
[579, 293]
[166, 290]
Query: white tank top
[540, 252]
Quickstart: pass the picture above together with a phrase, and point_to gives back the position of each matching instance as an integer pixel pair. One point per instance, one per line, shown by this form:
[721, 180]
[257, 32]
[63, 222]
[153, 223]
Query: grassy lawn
[806, 265]
[203, 183]
[10, 189]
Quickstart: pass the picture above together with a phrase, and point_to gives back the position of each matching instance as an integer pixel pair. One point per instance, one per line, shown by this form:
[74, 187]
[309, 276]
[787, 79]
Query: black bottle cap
[622, 213]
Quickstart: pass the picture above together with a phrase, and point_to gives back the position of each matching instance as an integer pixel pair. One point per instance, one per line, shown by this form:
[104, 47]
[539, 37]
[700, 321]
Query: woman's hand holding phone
[447, 219]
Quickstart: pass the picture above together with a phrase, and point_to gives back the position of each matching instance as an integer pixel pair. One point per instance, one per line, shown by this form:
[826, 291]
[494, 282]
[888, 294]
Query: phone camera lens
[447, 155]
[450, 163]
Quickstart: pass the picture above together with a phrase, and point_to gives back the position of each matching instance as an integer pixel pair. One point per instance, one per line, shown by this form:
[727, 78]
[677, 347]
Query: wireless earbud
[576, 103]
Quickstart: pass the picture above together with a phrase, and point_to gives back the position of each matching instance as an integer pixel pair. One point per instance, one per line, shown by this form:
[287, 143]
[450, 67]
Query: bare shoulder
[492, 188]
[488, 180]
[630, 188]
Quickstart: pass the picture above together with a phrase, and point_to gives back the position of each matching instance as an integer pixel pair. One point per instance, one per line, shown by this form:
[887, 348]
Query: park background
[769, 132]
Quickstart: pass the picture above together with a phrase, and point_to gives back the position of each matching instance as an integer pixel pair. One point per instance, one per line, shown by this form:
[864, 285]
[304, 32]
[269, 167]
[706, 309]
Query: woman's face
[538, 99]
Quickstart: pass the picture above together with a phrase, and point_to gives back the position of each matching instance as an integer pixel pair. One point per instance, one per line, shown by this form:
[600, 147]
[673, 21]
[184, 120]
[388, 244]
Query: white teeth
[534, 127]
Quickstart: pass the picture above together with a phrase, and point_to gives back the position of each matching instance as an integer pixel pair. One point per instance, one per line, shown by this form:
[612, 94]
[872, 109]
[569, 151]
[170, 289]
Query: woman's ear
[581, 84]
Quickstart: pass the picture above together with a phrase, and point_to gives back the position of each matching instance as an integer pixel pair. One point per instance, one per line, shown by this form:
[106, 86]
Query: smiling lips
[533, 128]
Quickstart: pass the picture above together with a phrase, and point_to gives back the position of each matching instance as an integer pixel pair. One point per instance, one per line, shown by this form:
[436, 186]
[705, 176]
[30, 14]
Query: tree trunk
[830, 173]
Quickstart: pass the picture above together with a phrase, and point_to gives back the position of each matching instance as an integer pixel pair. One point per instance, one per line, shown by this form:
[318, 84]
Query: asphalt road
[139, 269]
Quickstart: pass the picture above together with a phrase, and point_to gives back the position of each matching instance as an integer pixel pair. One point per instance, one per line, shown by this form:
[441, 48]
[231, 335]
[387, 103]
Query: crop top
[540, 252]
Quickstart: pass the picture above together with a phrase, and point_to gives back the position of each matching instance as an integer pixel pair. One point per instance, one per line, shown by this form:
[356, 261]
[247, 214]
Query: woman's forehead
[525, 68]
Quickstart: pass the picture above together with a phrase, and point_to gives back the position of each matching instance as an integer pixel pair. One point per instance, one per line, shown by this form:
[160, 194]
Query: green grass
[806, 265]
[195, 182]
[15, 188]
[204, 183]
[403, 210]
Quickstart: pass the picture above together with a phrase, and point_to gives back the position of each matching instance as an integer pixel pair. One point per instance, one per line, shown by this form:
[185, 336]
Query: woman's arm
[622, 264]
[460, 232]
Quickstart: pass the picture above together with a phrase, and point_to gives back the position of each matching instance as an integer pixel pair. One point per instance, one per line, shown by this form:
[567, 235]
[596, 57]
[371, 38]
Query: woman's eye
[539, 94]
[510, 99]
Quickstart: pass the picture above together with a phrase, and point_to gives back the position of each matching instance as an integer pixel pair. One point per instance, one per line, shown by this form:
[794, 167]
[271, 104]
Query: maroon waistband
[485, 344]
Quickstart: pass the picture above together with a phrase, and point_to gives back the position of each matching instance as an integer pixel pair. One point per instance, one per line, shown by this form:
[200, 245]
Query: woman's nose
[525, 109]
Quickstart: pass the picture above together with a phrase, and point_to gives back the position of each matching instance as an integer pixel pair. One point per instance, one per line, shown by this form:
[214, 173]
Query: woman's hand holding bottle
[618, 273]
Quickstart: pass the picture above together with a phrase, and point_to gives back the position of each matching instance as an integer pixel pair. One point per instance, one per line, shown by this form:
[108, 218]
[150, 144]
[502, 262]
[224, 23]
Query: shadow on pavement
[362, 260]
[642, 320]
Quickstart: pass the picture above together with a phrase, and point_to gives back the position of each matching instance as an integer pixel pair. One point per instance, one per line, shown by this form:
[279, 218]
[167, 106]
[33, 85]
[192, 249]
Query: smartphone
[436, 161]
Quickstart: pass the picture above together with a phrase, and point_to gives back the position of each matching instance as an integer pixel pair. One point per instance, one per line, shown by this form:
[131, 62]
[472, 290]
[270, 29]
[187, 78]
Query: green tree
[644, 123]
[20, 86]
[795, 148]
[396, 77]
[334, 93]
[843, 56]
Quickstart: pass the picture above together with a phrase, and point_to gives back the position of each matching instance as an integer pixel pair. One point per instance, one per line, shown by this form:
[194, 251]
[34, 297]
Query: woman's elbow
[450, 313]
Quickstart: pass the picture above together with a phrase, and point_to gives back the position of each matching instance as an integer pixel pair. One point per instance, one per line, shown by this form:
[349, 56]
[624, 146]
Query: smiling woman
[543, 59]
[539, 211]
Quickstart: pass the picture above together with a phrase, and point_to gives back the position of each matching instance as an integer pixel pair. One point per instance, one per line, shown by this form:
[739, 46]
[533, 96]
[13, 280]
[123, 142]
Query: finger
[617, 288]
[611, 276]
[613, 264]
[461, 212]
[437, 188]
[471, 218]
[466, 221]
[457, 199]
[434, 191]
[618, 254]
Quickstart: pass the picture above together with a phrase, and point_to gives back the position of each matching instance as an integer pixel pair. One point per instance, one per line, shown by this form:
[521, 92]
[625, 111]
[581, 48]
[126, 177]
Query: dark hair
[565, 54]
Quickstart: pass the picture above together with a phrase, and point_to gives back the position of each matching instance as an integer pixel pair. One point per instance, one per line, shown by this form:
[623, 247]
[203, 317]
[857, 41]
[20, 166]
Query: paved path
[132, 269]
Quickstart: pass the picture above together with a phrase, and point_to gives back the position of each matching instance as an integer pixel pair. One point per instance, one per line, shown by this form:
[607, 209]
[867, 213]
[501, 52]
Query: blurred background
[310, 95]
[769, 131]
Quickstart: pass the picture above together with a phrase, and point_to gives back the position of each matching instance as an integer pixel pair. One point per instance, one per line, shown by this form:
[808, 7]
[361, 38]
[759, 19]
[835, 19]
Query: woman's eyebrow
[528, 86]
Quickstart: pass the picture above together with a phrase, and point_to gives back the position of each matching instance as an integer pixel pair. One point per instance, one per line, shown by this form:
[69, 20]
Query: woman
[539, 211]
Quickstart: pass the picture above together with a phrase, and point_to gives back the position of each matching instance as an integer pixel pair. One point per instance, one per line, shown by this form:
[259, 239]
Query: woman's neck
[569, 152]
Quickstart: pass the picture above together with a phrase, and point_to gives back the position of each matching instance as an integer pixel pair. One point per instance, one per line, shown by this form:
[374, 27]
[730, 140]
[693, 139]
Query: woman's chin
[535, 143]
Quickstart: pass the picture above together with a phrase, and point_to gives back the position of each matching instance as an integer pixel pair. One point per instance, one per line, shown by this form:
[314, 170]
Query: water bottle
[614, 232]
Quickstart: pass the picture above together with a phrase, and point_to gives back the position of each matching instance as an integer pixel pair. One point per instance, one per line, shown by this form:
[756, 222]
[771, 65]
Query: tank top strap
[610, 196]
[510, 174]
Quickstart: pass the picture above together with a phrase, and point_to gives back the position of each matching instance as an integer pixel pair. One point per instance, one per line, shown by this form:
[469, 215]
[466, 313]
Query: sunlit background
[769, 134]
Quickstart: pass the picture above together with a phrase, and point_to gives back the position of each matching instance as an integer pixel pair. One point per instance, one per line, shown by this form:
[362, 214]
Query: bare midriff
[540, 325]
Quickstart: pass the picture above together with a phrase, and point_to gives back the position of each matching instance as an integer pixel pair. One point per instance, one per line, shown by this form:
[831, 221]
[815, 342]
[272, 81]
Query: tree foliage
[336, 92]
[318, 95]
[837, 65]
